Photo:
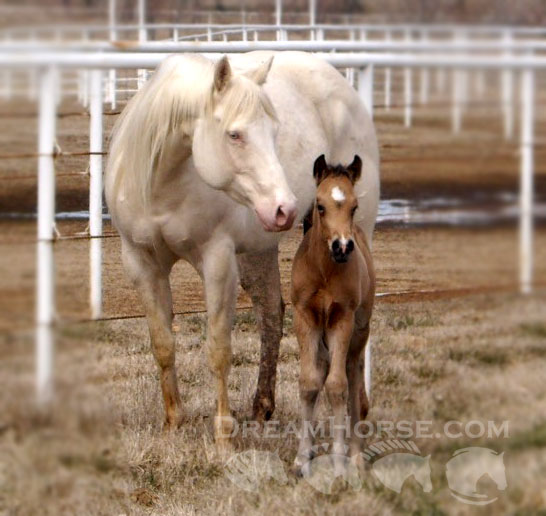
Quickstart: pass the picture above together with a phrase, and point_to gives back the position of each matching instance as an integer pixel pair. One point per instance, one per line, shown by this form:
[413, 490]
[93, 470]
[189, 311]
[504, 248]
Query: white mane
[157, 125]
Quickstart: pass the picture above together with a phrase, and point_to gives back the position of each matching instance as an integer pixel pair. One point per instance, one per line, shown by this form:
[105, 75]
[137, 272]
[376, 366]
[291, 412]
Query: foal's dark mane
[337, 171]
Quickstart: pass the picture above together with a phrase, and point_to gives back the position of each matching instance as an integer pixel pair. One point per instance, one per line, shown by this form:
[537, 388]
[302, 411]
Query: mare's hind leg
[152, 281]
[219, 271]
[357, 405]
[260, 277]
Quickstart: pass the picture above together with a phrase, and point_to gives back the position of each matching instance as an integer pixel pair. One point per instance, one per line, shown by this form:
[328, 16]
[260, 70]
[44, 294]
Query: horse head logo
[467, 467]
[394, 469]
[249, 468]
[321, 472]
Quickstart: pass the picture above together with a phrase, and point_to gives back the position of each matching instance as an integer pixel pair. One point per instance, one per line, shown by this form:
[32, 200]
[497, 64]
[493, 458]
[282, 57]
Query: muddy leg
[260, 278]
[152, 281]
[220, 276]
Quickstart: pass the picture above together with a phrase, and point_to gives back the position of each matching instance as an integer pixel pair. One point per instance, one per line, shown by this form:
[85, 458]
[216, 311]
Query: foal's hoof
[224, 448]
[172, 423]
[263, 408]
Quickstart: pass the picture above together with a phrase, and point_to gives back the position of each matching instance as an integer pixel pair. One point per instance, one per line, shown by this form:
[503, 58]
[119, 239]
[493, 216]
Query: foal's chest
[327, 307]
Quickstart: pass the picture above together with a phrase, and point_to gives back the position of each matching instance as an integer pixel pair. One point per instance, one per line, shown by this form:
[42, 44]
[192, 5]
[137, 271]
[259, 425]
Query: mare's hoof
[263, 408]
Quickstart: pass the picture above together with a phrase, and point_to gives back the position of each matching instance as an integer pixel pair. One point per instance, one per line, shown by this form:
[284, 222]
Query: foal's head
[335, 205]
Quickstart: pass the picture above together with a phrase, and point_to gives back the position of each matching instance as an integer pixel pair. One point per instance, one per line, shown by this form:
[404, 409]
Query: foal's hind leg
[358, 401]
[260, 278]
[152, 281]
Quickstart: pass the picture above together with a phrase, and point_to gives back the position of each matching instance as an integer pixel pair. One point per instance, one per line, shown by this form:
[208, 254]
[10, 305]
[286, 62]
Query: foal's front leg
[220, 278]
[313, 370]
[338, 338]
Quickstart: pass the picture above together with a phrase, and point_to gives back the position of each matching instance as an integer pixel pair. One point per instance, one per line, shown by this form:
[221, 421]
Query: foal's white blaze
[337, 194]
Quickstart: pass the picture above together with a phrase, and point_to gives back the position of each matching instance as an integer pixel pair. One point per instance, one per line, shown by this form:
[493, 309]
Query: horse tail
[158, 121]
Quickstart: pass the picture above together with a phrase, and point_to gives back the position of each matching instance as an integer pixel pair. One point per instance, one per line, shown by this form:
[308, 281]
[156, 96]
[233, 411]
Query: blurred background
[460, 244]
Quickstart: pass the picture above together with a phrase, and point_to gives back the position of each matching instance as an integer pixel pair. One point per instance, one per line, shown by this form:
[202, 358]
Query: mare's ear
[319, 169]
[355, 168]
[222, 74]
[259, 75]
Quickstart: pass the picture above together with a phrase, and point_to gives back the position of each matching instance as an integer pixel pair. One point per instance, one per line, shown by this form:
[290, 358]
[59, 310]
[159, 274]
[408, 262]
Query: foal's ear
[319, 169]
[259, 75]
[355, 168]
[222, 74]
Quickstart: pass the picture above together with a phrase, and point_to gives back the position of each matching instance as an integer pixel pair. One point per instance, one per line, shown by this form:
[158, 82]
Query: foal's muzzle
[341, 250]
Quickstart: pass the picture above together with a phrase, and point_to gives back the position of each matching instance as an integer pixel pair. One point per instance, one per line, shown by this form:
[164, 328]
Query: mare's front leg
[313, 370]
[260, 277]
[338, 336]
[150, 275]
[219, 270]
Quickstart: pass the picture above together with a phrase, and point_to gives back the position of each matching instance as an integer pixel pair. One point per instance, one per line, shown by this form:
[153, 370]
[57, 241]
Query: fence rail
[47, 64]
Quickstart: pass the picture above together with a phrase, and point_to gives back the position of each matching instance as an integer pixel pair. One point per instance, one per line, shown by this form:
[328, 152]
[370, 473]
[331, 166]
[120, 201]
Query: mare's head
[234, 146]
[335, 205]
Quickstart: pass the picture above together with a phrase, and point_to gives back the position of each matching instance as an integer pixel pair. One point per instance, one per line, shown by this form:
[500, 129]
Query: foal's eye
[320, 209]
[353, 211]
[234, 135]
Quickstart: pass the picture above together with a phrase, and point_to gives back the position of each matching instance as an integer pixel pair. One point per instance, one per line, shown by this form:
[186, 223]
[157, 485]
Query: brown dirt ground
[406, 259]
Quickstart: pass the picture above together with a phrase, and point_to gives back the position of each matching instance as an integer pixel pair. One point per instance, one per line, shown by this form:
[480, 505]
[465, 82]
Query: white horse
[210, 163]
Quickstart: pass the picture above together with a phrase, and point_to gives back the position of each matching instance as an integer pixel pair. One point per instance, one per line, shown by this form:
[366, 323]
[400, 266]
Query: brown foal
[333, 287]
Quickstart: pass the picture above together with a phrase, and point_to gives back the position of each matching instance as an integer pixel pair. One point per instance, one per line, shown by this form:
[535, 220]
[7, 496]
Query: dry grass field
[101, 449]
[464, 346]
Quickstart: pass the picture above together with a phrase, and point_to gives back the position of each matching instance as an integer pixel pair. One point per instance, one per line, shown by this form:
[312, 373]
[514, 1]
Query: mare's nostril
[335, 245]
[280, 217]
[350, 246]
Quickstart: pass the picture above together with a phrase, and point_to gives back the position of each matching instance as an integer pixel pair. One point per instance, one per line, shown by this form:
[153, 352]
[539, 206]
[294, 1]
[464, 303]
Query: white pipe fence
[93, 63]
[461, 44]
[473, 31]
[95, 193]
[45, 271]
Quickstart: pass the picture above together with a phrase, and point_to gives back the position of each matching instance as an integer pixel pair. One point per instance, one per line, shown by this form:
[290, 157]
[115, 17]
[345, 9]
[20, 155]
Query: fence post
[388, 77]
[365, 87]
[113, 37]
[142, 38]
[95, 193]
[312, 18]
[526, 181]
[7, 75]
[45, 273]
[33, 80]
[508, 92]
[456, 100]
[407, 89]
[424, 83]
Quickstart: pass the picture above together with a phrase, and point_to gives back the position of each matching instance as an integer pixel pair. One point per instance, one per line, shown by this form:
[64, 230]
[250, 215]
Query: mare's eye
[353, 211]
[320, 209]
[234, 135]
